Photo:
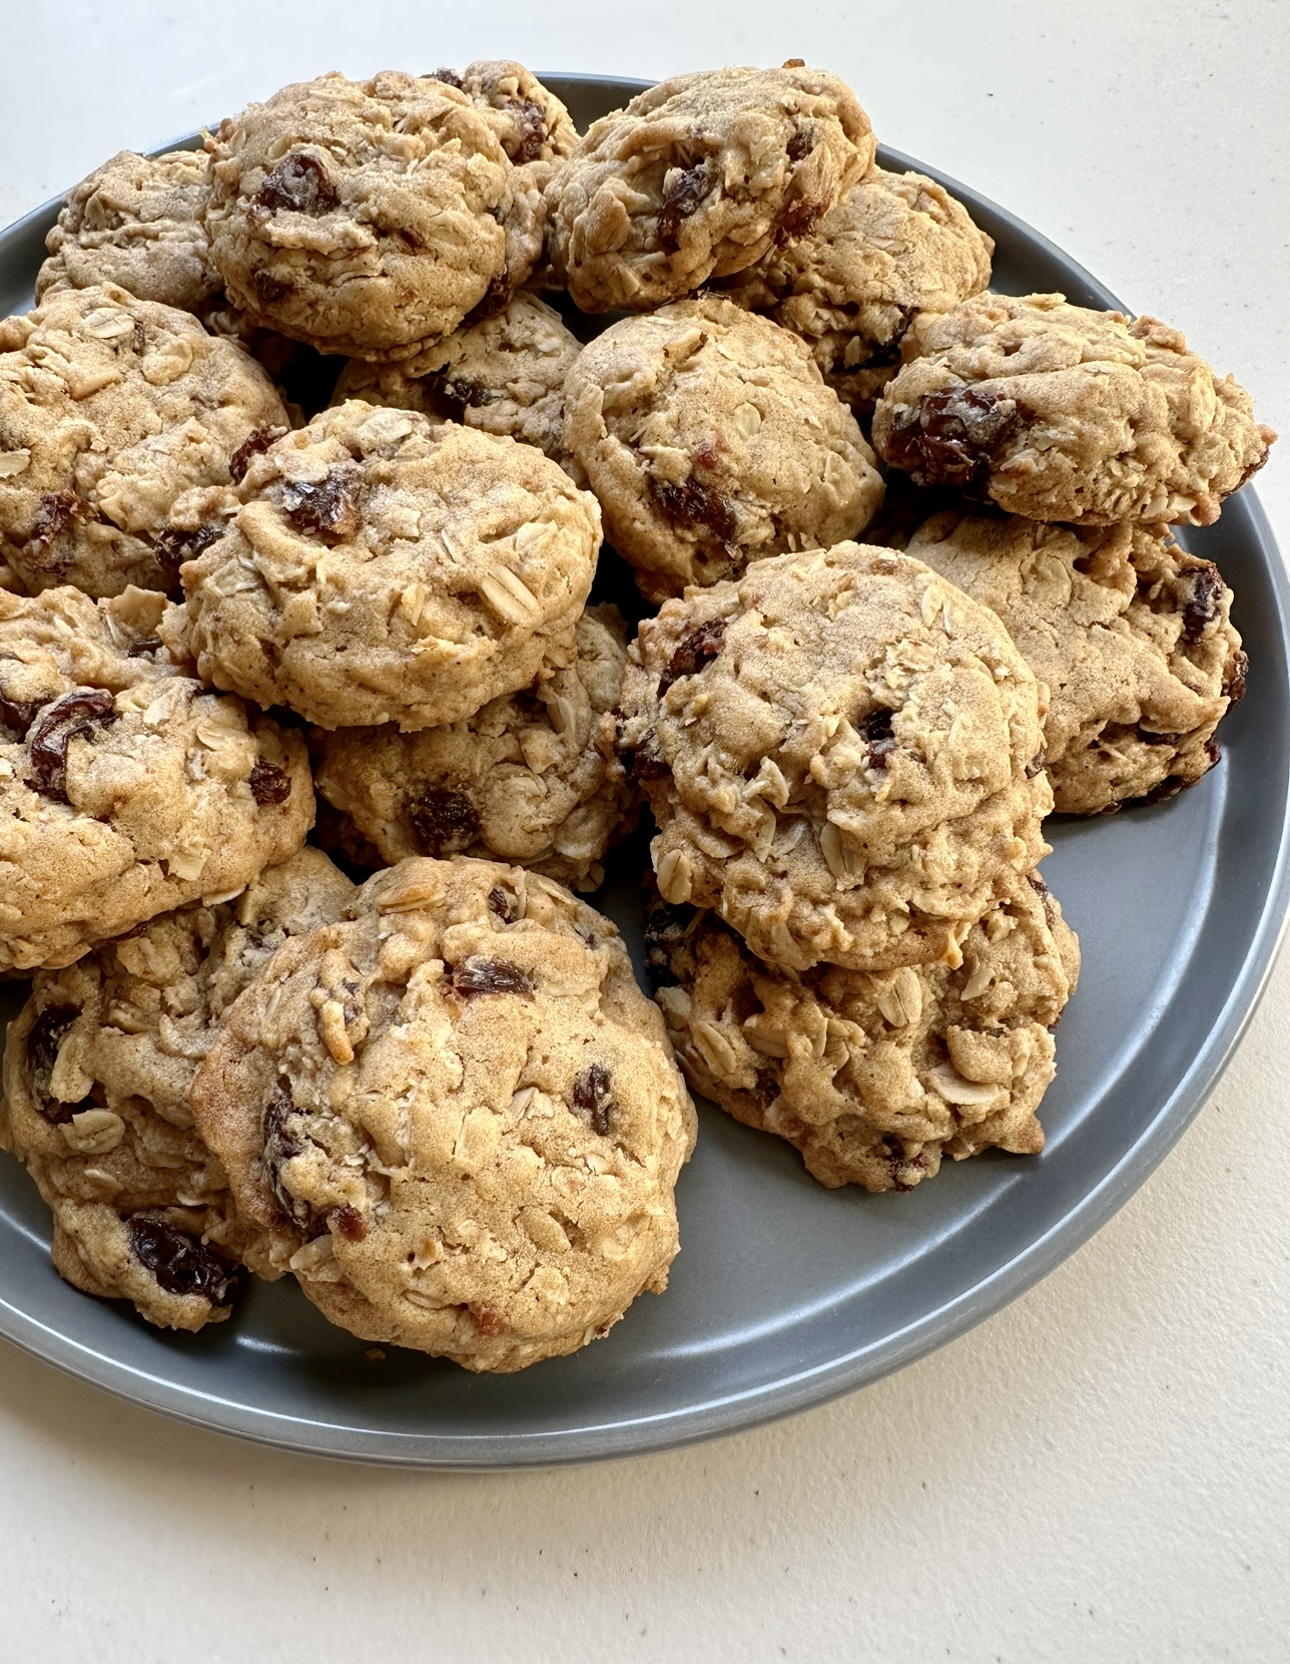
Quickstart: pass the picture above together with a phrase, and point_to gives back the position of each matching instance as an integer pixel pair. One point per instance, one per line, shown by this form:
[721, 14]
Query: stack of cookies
[306, 453]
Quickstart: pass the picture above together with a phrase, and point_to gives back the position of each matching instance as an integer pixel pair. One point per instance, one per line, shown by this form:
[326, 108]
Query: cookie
[505, 375]
[531, 779]
[1131, 634]
[895, 245]
[875, 1078]
[97, 1074]
[119, 419]
[697, 177]
[383, 569]
[138, 222]
[126, 787]
[1059, 413]
[456, 1115]
[366, 217]
[710, 439]
[842, 752]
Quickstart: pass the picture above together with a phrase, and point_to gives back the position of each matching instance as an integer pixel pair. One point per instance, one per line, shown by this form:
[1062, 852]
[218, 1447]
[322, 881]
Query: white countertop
[1099, 1473]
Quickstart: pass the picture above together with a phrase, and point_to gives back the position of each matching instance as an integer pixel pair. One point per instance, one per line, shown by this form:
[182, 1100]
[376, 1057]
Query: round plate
[786, 1294]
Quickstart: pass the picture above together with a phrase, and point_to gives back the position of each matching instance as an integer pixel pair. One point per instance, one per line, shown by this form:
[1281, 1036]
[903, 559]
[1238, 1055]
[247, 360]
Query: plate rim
[822, 1383]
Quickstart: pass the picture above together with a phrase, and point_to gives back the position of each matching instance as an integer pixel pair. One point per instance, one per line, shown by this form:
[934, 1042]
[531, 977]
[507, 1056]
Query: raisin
[592, 1097]
[459, 393]
[43, 1043]
[280, 1145]
[800, 218]
[444, 821]
[259, 439]
[267, 287]
[695, 504]
[499, 902]
[478, 975]
[531, 125]
[173, 548]
[801, 144]
[325, 507]
[682, 197]
[876, 731]
[57, 511]
[347, 1222]
[1235, 679]
[148, 644]
[1204, 603]
[180, 1262]
[1035, 766]
[17, 715]
[694, 652]
[486, 1321]
[75, 715]
[449, 77]
[269, 783]
[300, 184]
[1149, 736]
[496, 298]
[952, 437]
[642, 762]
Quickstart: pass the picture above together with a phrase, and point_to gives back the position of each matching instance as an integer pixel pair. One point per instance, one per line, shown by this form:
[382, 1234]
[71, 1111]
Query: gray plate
[786, 1294]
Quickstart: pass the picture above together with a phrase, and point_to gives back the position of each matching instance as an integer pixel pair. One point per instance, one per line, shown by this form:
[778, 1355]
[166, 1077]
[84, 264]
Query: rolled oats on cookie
[504, 375]
[697, 177]
[710, 439]
[126, 787]
[896, 244]
[382, 569]
[138, 222]
[1131, 635]
[120, 420]
[532, 125]
[843, 754]
[531, 779]
[97, 1074]
[875, 1077]
[1056, 412]
[456, 1116]
[367, 217]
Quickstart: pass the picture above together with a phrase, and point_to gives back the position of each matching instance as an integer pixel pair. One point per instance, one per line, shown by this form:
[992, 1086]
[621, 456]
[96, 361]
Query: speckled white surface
[1101, 1472]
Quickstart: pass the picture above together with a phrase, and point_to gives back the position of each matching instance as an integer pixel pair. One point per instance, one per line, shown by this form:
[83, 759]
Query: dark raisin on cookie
[44, 1041]
[267, 287]
[593, 1098]
[298, 184]
[173, 548]
[76, 715]
[499, 902]
[269, 783]
[1236, 677]
[697, 650]
[682, 198]
[1035, 766]
[876, 731]
[666, 927]
[530, 124]
[180, 1262]
[280, 1145]
[57, 511]
[1204, 601]
[444, 821]
[952, 437]
[694, 505]
[259, 439]
[478, 975]
[325, 507]
[449, 77]
[17, 715]
[347, 1222]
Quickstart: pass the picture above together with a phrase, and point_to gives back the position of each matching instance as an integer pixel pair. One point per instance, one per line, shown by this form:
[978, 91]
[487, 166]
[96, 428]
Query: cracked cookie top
[126, 787]
[367, 217]
[98, 1070]
[456, 1115]
[710, 439]
[384, 569]
[1056, 412]
[842, 752]
[697, 177]
[1131, 635]
[504, 375]
[875, 1076]
[138, 222]
[895, 245]
[532, 778]
[119, 419]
